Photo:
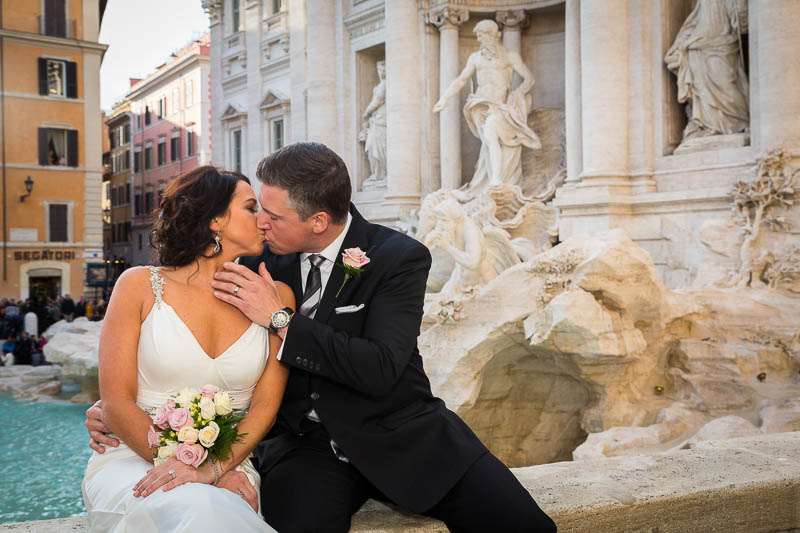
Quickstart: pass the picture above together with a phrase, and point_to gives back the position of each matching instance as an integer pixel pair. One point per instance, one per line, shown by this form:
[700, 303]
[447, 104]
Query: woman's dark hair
[313, 175]
[189, 203]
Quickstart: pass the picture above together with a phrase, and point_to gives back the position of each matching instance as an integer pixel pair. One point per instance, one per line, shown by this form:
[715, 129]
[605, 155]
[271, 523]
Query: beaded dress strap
[157, 283]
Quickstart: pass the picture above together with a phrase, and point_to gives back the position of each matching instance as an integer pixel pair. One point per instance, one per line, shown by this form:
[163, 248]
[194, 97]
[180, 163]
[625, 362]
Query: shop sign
[44, 255]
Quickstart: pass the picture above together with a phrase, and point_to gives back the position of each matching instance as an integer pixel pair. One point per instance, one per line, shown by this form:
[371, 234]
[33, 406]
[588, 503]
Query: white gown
[169, 358]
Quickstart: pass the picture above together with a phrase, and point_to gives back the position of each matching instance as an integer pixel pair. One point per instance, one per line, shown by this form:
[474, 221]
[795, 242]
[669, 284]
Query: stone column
[572, 87]
[512, 23]
[297, 70]
[403, 105]
[448, 20]
[777, 31]
[321, 78]
[214, 10]
[604, 93]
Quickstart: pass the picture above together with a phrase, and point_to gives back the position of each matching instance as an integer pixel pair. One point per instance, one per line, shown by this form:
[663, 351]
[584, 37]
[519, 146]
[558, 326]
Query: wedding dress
[169, 358]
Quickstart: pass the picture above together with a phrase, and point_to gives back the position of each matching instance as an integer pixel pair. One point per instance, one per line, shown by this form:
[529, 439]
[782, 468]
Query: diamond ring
[172, 473]
[236, 290]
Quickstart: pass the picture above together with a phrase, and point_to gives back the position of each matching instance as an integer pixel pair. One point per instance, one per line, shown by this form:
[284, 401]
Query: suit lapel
[356, 238]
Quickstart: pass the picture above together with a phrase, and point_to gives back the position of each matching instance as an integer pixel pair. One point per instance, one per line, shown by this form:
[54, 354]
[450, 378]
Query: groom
[358, 419]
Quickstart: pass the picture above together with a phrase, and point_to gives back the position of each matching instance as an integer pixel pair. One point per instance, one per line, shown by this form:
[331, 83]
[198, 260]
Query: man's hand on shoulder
[254, 294]
[98, 431]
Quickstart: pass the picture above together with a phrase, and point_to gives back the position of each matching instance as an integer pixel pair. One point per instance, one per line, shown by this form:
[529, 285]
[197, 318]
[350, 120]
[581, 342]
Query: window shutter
[43, 138]
[42, 76]
[72, 148]
[58, 223]
[72, 79]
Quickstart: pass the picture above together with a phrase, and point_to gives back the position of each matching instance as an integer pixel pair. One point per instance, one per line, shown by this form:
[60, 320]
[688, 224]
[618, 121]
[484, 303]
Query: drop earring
[217, 245]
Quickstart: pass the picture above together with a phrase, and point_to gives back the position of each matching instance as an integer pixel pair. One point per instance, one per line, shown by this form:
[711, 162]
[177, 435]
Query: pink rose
[153, 439]
[180, 417]
[191, 454]
[209, 391]
[162, 415]
[354, 257]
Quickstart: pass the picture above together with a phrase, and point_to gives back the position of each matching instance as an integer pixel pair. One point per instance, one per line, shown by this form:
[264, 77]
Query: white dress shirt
[331, 255]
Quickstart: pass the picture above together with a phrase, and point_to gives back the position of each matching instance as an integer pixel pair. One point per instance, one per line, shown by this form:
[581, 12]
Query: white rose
[188, 434]
[186, 397]
[208, 435]
[222, 402]
[158, 461]
[207, 408]
[168, 450]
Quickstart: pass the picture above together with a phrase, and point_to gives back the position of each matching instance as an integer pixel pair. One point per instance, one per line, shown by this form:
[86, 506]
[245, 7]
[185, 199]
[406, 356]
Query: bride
[164, 331]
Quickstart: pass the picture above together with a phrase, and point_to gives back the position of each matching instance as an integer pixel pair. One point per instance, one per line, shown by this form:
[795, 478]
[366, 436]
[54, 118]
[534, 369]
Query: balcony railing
[58, 27]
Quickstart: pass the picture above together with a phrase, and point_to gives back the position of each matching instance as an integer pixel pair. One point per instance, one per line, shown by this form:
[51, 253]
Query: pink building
[170, 123]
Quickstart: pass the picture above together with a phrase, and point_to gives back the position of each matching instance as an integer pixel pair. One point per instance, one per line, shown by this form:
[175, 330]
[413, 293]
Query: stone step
[738, 485]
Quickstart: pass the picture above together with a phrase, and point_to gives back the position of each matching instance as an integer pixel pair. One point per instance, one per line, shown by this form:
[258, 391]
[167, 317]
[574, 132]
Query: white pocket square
[348, 309]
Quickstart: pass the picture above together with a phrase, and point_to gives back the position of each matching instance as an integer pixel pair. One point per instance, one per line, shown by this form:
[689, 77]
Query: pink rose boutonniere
[353, 262]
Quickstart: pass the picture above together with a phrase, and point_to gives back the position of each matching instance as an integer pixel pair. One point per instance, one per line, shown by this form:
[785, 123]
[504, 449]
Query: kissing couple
[313, 337]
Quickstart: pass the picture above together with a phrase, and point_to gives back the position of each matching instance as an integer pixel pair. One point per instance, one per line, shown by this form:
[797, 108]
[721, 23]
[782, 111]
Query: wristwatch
[280, 319]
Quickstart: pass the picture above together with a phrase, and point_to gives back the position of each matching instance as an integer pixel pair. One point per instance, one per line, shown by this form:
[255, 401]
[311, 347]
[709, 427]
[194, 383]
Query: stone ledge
[739, 485]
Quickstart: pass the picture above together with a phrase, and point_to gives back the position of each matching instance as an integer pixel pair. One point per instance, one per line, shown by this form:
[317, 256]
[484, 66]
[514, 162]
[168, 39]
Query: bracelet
[216, 471]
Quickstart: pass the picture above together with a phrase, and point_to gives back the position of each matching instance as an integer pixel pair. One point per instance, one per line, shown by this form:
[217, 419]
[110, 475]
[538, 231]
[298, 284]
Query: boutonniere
[353, 262]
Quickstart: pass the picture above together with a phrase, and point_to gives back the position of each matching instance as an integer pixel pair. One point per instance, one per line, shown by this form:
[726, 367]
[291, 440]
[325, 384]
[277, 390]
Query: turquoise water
[44, 450]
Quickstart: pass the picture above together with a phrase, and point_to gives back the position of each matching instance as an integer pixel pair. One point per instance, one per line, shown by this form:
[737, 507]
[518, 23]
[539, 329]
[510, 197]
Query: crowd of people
[21, 346]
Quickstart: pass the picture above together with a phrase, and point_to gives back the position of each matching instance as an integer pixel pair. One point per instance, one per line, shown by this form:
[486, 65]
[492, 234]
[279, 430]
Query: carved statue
[373, 130]
[706, 56]
[495, 114]
[754, 206]
[480, 254]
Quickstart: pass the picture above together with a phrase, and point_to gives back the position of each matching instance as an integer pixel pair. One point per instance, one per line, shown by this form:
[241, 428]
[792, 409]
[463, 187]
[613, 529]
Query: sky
[141, 35]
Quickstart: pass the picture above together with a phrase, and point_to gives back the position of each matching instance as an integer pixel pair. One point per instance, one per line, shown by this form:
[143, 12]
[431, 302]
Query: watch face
[280, 319]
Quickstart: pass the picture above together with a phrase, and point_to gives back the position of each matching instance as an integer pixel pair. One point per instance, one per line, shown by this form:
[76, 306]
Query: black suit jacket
[363, 374]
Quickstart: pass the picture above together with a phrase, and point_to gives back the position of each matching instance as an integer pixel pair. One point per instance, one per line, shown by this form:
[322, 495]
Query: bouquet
[193, 424]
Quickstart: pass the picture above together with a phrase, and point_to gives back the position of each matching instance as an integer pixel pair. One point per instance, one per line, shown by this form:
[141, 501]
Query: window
[277, 134]
[148, 156]
[175, 96]
[58, 222]
[162, 151]
[175, 146]
[127, 232]
[113, 233]
[235, 19]
[58, 78]
[138, 122]
[126, 160]
[128, 193]
[236, 142]
[189, 97]
[113, 196]
[146, 115]
[276, 6]
[58, 147]
[55, 18]
[126, 136]
[162, 107]
[137, 160]
[189, 143]
[140, 241]
[137, 204]
[148, 202]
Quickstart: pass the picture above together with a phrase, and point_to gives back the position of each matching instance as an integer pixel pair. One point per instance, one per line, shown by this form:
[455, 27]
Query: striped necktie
[313, 292]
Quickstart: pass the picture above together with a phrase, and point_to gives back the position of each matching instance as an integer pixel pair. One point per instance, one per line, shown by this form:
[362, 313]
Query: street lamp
[28, 188]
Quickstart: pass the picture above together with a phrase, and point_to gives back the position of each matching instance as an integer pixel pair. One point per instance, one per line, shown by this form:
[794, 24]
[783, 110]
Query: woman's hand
[172, 473]
[237, 483]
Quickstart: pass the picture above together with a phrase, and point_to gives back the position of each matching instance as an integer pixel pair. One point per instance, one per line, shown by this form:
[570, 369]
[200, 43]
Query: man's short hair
[486, 25]
[313, 175]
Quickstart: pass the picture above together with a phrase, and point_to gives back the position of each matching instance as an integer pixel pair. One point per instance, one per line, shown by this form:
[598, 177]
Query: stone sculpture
[755, 205]
[706, 56]
[479, 254]
[373, 131]
[495, 114]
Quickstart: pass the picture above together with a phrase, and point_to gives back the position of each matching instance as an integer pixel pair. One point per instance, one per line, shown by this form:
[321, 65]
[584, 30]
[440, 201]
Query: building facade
[119, 187]
[51, 136]
[170, 134]
[622, 144]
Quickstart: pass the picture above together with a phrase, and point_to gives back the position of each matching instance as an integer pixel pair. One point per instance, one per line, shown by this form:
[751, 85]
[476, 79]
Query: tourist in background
[68, 308]
[8, 351]
[90, 305]
[80, 307]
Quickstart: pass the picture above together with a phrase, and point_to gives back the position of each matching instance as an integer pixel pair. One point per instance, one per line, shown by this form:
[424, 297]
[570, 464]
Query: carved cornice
[365, 22]
[443, 17]
[488, 6]
[214, 10]
[512, 19]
